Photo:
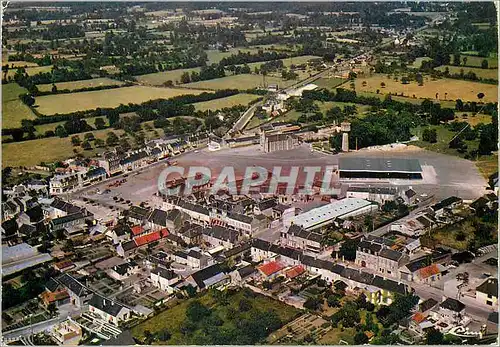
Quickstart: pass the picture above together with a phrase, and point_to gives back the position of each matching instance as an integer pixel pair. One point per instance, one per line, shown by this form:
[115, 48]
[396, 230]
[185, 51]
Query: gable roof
[489, 287]
[270, 268]
[111, 307]
[202, 276]
[164, 273]
[453, 305]
[64, 206]
[158, 217]
[148, 238]
[73, 285]
[428, 304]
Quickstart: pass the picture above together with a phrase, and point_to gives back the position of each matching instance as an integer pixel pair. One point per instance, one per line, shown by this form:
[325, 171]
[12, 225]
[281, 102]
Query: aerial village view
[249, 173]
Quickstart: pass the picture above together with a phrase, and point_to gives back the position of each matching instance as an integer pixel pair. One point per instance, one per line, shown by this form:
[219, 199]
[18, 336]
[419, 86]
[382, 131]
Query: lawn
[172, 318]
[242, 82]
[110, 98]
[215, 56]
[335, 335]
[230, 101]
[74, 85]
[455, 89]
[472, 118]
[13, 109]
[481, 73]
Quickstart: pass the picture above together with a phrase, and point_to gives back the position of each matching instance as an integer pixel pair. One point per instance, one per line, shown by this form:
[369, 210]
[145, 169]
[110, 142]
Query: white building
[327, 214]
[164, 279]
[108, 310]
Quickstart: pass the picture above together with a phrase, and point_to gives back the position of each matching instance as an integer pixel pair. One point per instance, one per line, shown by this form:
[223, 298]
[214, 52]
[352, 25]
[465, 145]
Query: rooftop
[379, 165]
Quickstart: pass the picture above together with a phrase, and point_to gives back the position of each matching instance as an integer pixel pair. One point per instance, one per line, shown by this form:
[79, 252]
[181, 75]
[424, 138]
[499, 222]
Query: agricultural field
[173, 318]
[242, 82]
[475, 61]
[31, 70]
[32, 152]
[481, 73]
[230, 101]
[108, 98]
[75, 85]
[215, 56]
[418, 62]
[159, 78]
[472, 118]
[455, 89]
[15, 64]
[13, 109]
[42, 128]
[329, 83]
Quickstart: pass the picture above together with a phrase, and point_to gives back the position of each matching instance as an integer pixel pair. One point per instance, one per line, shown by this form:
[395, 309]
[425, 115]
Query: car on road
[115, 198]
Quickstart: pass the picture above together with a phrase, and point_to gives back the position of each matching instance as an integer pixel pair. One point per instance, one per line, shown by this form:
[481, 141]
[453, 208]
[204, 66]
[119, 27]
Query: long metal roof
[354, 164]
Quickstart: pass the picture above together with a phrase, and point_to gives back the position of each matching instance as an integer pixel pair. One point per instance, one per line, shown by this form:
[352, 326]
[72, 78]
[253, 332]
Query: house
[160, 259]
[265, 206]
[190, 233]
[412, 270]
[382, 291]
[33, 216]
[445, 206]
[72, 220]
[409, 196]
[298, 237]
[209, 277]
[164, 279]
[78, 293]
[61, 208]
[376, 253]
[123, 271]
[377, 194]
[196, 259]
[57, 297]
[278, 142]
[138, 215]
[279, 210]
[220, 236]
[109, 310]
[126, 249]
[271, 269]
[120, 233]
[487, 292]
[110, 162]
[429, 274]
[160, 219]
[238, 276]
[451, 311]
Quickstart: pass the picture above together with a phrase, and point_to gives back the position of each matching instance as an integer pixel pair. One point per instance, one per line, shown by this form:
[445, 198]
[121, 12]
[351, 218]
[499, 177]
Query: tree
[420, 79]
[480, 95]
[112, 139]
[52, 308]
[196, 311]
[382, 84]
[348, 249]
[456, 59]
[75, 140]
[434, 337]
[244, 305]
[429, 135]
[368, 222]
[360, 338]
[312, 303]
[484, 64]
[28, 99]
[54, 88]
[333, 301]
[99, 143]
[464, 59]
[86, 145]
[89, 137]
[404, 80]
[99, 123]
[185, 78]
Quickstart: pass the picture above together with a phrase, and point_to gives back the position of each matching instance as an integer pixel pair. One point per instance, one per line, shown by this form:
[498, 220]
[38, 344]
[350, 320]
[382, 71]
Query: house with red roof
[271, 269]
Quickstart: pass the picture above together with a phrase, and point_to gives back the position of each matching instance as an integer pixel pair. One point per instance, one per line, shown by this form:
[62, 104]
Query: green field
[13, 109]
[18, 63]
[75, 85]
[215, 56]
[230, 101]
[159, 78]
[173, 318]
[67, 103]
[481, 73]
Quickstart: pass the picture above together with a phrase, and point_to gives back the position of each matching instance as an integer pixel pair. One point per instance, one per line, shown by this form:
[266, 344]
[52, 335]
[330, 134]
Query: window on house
[489, 303]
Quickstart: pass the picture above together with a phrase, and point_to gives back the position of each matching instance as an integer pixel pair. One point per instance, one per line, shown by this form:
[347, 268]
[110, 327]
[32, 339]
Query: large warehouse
[379, 168]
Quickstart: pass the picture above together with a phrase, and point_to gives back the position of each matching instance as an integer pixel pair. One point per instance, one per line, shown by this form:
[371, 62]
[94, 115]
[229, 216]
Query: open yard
[455, 89]
[230, 101]
[67, 103]
[13, 109]
[74, 85]
[481, 73]
[19, 63]
[329, 83]
[418, 62]
[476, 61]
[173, 318]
